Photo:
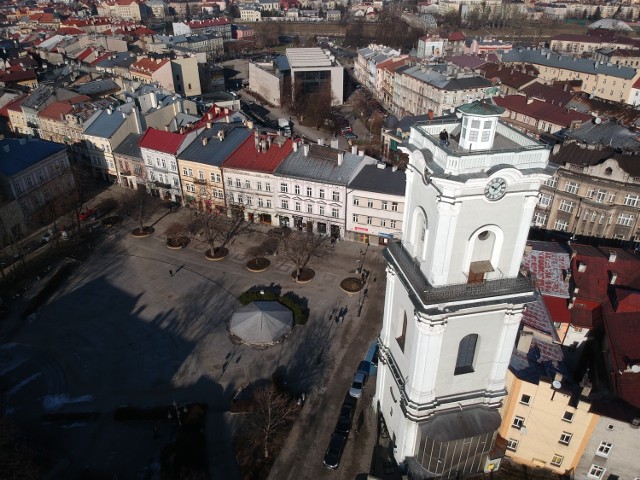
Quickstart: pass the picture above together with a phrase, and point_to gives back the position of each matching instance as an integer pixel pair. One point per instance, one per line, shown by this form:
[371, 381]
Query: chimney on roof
[529, 100]
[354, 150]
[210, 116]
[524, 341]
[295, 146]
[221, 135]
[334, 143]
[340, 158]
[227, 119]
[612, 256]
[205, 140]
[614, 277]
[217, 110]
[305, 149]
[321, 142]
[208, 124]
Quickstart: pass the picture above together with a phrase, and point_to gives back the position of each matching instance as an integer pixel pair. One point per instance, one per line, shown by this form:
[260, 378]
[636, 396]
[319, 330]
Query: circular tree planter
[179, 243]
[351, 285]
[259, 264]
[218, 254]
[141, 233]
[306, 275]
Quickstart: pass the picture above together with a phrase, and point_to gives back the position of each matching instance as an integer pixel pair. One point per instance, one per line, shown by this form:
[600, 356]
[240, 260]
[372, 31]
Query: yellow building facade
[544, 426]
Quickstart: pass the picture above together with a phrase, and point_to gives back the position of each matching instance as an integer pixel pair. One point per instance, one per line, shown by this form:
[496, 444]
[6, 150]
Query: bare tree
[301, 247]
[141, 208]
[176, 233]
[82, 185]
[220, 229]
[274, 412]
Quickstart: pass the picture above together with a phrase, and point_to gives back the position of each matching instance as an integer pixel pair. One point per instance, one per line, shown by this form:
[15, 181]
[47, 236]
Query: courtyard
[123, 331]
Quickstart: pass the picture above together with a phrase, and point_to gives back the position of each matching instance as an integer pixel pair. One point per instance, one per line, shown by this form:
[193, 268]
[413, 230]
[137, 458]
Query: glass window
[267, 187]
[321, 210]
[571, 187]
[566, 206]
[268, 203]
[631, 200]
[525, 399]
[356, 201]
[552, 182]
[309, 192]
[544, 199]
[309, 207]
[369, 220]
[512, 444]
[247, 184]
[561, 225]
[567, 417]
[321, 193]
[625, 219]
[393, 224]
[600, 196]
[603, 449]
[259, 185]
[335, 213]
[394, 206]
[556, 460]
[466, 354]
[298, 206]
[370, 203]
[355, 217]
[296, 189]
[284, 204]
[518, 422]
[336, 196]
[565, 438]
[385, 205]
[238, 183]
[284, 188]
[596, 471]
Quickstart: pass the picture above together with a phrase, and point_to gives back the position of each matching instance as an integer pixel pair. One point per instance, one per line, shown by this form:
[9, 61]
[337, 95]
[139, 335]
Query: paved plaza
[123, 331]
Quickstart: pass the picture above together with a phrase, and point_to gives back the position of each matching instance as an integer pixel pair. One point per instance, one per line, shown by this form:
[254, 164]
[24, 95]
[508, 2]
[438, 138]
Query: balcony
[396, 254]
[199, 181]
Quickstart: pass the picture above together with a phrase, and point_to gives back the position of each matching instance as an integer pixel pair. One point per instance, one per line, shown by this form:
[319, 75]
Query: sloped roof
[548, 93]
[262, 323]
[549, 263]
[149, 64]
[56, 109]
[380, 180]
[606, 134]
[249, 157]
[130, 146]
[161, 141]
[623, 338]
[507, 76]
[572, 153]
[214, 152]
[24, 154]
[541, 110]
[320, 165]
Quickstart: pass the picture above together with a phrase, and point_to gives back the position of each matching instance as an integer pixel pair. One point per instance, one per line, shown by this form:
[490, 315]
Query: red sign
[361, 229]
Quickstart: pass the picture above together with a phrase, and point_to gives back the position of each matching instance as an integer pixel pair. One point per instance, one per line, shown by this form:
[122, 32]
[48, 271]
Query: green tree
[597, 15]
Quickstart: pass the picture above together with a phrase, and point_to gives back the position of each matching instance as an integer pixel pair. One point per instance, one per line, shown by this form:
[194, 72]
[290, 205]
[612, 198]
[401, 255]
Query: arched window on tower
[403, 332]
[466, 354]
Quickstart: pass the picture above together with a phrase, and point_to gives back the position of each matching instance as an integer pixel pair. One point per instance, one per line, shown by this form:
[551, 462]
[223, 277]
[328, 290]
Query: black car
[171, 206]
[345, 418]
[334, 450]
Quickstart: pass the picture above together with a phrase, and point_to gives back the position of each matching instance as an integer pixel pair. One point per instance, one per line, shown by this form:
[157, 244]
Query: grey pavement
[123, 331]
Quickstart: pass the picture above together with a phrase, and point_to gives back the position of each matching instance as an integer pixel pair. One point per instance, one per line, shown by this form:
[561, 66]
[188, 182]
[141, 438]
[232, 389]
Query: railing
[429, 294]
[199, 181]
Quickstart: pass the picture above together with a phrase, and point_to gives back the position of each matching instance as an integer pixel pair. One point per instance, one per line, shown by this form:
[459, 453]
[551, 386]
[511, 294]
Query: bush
[255, 296]
[299, 315]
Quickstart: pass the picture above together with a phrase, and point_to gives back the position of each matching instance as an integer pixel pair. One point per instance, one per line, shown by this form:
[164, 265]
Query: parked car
[334, 451]
[84, 215]
[350, 136]
[344, 130]
[171, 206]
[345, 419]
[359, 379]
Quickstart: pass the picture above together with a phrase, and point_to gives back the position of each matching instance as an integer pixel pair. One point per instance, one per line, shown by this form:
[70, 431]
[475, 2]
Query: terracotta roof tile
[161, 141]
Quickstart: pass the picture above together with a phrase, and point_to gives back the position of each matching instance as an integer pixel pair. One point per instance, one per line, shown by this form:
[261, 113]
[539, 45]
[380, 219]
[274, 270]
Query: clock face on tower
[495, 189]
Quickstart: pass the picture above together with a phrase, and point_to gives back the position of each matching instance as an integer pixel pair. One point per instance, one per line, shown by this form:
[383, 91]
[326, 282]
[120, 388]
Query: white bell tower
[455, 294]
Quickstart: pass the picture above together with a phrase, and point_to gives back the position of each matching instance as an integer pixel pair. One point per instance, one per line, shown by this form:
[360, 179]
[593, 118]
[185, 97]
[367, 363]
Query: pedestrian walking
[444, 137]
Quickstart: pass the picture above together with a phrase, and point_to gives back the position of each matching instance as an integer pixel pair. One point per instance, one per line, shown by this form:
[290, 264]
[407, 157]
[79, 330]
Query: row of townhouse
[573, 405]
[409, 88]
[605, 81]
[268, 179]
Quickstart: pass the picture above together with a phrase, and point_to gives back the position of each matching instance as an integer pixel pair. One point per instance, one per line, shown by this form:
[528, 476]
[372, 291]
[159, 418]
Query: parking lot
[123, 331]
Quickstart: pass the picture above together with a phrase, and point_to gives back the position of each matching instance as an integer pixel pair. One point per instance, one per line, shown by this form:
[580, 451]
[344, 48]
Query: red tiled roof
[167, 142]
[70, 31]
[623, 338]
[541, 110]
[456, 37]
[507, 75]
[149, 65]
[247, 156]
[548, 93]
[18, 76]
[467, 61]
[55, 109]
[558, 308]
[549, 263]
[13, 105]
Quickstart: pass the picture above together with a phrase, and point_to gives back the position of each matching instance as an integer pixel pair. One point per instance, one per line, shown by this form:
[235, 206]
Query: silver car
[359, 379]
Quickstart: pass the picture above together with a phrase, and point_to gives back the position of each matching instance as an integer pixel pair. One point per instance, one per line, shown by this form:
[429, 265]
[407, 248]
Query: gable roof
[549, 262]
[372, 178]
[541, 110]
[548, 93]
[161, 141]
[249, 157]
[508, 76]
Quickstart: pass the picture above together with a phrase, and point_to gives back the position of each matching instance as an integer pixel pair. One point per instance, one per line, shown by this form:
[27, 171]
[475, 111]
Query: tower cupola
[479, 120]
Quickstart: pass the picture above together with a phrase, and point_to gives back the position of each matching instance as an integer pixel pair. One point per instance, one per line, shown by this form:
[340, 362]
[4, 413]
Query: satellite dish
[556, 384]
[635, 368]
[597, 120]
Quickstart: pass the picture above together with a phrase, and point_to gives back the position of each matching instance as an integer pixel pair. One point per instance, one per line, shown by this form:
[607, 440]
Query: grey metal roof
[439, 80]
[321, 165]
[106, 124]
[606, 133]
[282, 63]
[130, 146]
[97, 87]
[582, 65]
[24, 153]
[215, 151]
[121, 59]
[482, 108]
[380, 180]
